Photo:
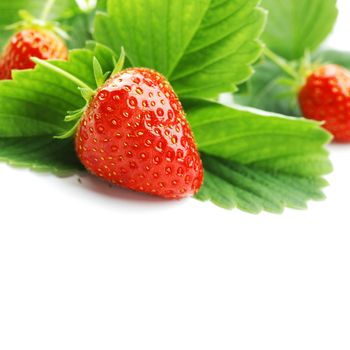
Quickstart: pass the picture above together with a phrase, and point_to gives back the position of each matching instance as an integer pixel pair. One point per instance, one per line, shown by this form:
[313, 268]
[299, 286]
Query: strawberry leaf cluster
[253, 160]
[295, 31]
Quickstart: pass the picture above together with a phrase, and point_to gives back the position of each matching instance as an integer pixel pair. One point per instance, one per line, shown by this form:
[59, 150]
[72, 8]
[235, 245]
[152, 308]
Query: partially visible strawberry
[27, 43]
[134, 133]
[326, 97]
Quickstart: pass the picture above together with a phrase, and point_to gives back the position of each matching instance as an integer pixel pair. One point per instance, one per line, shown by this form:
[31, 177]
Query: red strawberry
[134, 133]
[326, 97]
[28, 43]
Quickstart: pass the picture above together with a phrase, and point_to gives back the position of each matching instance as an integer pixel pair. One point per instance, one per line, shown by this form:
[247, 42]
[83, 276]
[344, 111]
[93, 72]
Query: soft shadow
[105, 189]
[339, 147]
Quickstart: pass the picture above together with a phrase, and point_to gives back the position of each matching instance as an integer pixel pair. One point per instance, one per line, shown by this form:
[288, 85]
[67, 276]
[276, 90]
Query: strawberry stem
[62, 72]
[282, 63]
[86, 91]
[47, 9]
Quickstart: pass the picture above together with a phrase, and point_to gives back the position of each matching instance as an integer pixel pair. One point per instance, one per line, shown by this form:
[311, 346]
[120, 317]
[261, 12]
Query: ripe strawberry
[134, 133]
[28, 43]
[326, 97]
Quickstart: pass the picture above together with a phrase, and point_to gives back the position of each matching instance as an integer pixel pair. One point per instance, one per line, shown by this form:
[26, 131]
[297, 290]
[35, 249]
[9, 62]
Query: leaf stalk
[62, 72]
[280, 62]
[47, 8]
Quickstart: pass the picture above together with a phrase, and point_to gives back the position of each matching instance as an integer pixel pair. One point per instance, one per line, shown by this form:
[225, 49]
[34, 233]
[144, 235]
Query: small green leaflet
[203, 47]
[295, 26]
[255, 161]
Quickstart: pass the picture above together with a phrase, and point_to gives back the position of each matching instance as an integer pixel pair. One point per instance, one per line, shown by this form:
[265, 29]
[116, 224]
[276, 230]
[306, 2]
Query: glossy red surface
[135, 134]
[326, 97]
[30, 43]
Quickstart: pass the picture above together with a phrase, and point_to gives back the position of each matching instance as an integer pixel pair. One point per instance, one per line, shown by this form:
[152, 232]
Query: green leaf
[9, 9]
[298, 25]
[79, 28]
[102, 5]
[34, 104]
[203, 47]
[269, 90]
[80, 25]
[255, 161]
[9, 12]
[149, 30]
[40, 153]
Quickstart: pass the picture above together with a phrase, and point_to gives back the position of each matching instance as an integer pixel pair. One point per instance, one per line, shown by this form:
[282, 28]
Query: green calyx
[29, 21]
[296, 71]
[86, 91]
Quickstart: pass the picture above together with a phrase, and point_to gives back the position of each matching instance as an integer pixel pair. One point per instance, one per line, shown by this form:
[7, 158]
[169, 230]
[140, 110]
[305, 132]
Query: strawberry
[326, 97]
[27, 43]
[134, 133]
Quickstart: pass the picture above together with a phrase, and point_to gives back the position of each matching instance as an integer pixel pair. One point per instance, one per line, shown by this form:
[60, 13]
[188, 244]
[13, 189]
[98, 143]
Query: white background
[83, 266]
